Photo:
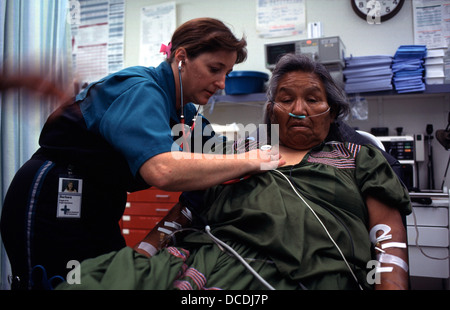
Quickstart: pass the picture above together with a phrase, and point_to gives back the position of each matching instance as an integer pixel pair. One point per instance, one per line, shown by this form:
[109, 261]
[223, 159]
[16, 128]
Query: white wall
[337, 17]
[412, 113]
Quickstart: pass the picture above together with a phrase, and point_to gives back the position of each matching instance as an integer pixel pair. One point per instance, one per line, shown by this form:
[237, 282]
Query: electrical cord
[338, 218]
[223, 245]
[417, 241]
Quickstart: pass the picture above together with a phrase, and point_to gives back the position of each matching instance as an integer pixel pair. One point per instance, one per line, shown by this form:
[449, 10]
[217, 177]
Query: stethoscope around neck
[185, 135]
[181, 94]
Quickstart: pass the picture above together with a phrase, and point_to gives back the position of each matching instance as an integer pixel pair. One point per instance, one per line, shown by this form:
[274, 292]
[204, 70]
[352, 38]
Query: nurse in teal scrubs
[116, 137]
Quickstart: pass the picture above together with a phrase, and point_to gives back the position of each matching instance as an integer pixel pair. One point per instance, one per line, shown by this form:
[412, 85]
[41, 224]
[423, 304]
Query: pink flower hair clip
[166, 49]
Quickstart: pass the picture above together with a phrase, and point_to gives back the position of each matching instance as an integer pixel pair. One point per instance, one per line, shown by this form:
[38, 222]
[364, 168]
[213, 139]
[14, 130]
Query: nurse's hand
[266, 159]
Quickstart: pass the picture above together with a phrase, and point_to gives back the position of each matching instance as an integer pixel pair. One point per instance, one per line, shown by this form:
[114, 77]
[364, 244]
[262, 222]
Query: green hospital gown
[274, 229]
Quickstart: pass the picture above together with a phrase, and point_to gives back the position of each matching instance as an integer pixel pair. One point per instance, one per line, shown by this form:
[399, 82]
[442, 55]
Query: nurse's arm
[172, 172]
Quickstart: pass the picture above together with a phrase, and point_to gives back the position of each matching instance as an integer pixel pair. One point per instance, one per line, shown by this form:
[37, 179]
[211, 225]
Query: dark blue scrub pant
[34, 236]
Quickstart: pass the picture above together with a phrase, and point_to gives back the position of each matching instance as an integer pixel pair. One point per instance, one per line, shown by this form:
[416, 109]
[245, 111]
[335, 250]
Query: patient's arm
[159, 236]
[380, 213]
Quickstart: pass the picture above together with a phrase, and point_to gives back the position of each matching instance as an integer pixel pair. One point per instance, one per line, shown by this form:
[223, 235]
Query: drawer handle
[162, 210]
[162, 196]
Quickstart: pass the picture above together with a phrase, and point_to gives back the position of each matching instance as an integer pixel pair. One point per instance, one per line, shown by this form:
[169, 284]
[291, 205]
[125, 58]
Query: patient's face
[301, 93]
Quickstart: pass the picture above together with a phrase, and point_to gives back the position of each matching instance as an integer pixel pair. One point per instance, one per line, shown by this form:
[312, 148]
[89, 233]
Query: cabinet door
[422, 266]
[429, 216]
[143, 210]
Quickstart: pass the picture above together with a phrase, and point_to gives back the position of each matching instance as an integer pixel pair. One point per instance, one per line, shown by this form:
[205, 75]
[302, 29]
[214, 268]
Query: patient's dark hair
[201, 35]
[336, 97]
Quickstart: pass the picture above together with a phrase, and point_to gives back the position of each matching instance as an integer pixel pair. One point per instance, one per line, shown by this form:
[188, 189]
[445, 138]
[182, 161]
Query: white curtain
[34, 40]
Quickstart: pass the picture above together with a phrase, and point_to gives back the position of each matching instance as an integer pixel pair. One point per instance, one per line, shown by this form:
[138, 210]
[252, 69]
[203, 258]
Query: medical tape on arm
[383, 257]
[187, 213]
[147, 247]
[169, 228]
[376, 241]
[401, 245]
[383, 269]
[392, 259]
[172, 224]
[150, 249]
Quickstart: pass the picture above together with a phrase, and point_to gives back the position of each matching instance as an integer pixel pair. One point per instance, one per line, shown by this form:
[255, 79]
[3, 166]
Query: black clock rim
[383, 18]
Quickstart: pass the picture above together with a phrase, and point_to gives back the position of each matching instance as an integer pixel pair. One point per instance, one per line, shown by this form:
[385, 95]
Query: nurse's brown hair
[201, 35]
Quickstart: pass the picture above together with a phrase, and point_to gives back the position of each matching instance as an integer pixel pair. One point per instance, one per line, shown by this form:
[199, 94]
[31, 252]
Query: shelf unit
[433, 89]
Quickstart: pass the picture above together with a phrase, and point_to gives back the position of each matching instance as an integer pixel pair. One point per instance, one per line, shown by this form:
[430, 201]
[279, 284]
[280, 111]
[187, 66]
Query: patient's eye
[312, 100]
[286, 100]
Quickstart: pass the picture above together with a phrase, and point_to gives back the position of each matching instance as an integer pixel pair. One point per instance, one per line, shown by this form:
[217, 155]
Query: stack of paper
[434, 66]
[368, 73]
[408, 68]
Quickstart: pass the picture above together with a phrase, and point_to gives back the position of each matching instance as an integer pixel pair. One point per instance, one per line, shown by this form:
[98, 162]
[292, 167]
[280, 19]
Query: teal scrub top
[134, 111]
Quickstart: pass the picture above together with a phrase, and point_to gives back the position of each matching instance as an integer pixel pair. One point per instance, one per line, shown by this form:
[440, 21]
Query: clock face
[376, 10]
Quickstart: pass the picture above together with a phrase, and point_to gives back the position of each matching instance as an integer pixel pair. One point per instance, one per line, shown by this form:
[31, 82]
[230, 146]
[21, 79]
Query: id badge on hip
[70, 190]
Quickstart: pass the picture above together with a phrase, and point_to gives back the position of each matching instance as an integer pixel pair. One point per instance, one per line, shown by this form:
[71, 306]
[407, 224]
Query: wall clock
[368, 9]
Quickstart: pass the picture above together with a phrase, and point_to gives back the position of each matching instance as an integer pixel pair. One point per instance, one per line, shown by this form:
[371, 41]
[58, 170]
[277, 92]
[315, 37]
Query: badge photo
[69, 197]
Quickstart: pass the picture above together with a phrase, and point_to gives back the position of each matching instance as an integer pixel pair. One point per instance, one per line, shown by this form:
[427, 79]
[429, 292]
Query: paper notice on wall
[98, 39]
[92, 52]
[158, 22]
[279, 18]
[432, 23]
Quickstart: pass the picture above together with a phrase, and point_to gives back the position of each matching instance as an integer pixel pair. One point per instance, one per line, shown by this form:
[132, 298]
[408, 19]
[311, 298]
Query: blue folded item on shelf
[368, 73]
[408, 69]
[368, 61]
[368, 79]
[410, 88]
[410, 64]
[411, 51]
[417, 72]
[404, 71]
[371, 71]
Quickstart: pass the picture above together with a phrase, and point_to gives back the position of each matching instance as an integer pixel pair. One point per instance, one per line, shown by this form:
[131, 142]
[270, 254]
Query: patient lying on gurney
[316, 223]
